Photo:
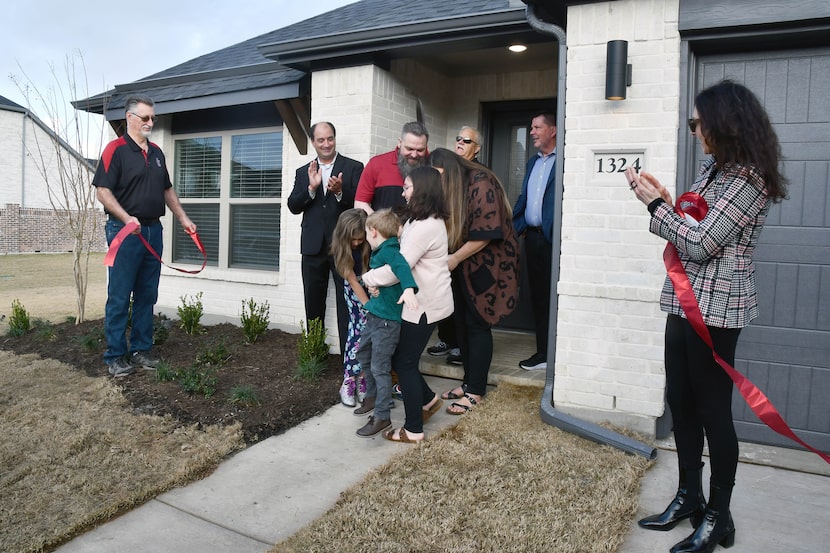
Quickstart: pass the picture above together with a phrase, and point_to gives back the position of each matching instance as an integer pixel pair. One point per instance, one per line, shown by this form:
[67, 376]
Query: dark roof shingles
[359, 16]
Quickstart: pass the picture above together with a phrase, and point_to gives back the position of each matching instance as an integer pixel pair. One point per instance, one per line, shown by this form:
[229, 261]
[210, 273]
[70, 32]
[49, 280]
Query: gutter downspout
[23, 164]
[548, 412]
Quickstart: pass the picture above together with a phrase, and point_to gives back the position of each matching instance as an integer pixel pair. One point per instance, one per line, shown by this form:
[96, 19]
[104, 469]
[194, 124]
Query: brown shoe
[373, 427]
[426, 414]
[367, 407]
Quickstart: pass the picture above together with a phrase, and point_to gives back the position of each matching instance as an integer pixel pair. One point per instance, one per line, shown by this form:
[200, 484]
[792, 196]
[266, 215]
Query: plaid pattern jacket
[717, 254]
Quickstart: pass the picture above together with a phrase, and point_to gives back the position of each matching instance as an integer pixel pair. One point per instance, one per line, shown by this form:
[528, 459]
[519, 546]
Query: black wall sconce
[617, 70]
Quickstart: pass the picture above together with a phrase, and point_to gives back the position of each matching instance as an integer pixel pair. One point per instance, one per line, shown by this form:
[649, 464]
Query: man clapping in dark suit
[323, 189]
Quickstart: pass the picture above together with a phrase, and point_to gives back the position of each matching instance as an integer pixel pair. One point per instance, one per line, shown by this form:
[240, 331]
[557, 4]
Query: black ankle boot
[717, 526]
[687, 503]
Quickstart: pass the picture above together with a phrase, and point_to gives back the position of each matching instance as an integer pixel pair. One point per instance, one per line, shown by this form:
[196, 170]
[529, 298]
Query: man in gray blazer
[323, 189]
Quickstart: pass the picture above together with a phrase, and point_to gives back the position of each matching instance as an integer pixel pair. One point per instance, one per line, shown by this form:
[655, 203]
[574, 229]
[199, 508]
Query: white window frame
[223, 271]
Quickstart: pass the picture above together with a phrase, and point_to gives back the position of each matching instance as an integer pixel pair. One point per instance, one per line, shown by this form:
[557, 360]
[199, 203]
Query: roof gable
[7, 104]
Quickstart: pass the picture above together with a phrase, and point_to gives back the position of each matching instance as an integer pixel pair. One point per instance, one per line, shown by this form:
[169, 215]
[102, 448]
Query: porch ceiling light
[517, 48]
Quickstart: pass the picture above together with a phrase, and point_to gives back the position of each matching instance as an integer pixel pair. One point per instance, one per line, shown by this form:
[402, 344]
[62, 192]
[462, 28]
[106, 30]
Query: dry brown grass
[501, 480]
[45, 286]
[72, 455]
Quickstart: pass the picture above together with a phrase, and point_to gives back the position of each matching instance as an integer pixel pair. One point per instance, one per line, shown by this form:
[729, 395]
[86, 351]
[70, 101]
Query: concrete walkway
[270, 490]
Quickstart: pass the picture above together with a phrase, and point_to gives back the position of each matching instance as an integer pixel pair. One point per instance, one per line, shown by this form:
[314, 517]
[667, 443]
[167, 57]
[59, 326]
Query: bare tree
[58, 155]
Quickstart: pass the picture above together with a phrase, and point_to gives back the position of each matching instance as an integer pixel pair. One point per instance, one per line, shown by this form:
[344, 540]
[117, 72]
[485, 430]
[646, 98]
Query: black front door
[508, 147]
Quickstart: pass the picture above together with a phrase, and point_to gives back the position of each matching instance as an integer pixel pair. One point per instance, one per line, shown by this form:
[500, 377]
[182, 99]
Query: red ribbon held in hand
[693, 205]
[128, 229]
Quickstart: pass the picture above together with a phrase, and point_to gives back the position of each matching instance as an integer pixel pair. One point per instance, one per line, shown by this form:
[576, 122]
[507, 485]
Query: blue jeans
[135, 274]
[377, 345]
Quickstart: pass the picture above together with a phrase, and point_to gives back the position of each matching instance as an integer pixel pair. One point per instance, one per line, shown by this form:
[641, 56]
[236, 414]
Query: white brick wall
[609, 351]
[22, 165]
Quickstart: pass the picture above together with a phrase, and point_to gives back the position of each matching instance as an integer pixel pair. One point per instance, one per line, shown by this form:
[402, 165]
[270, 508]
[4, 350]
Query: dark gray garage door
[786, 351]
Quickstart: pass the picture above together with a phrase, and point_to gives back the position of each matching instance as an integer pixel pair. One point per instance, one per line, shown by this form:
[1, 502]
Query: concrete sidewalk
[270, 490]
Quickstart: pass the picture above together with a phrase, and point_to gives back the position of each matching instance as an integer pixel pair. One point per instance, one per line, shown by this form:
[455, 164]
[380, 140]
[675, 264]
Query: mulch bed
[267, 366]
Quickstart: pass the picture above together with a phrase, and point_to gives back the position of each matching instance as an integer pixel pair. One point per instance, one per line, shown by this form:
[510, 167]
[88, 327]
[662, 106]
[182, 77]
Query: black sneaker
[454, 357]
[144, 360]
[536, 362]
[120, 367]
[440, 348]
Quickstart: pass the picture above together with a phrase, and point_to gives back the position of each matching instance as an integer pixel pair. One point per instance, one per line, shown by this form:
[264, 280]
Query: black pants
[448, 328]
[316, 270]
[699, 394]
[475, 339]
[416, 392]
[538, 255]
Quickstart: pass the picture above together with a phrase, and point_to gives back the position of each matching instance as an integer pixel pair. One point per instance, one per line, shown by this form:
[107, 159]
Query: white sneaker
[347, 392]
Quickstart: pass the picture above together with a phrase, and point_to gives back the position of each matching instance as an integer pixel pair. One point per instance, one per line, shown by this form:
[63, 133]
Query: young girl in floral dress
[351, 256]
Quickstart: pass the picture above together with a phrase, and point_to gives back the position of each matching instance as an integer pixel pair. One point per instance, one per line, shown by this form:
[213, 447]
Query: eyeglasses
[693, 123]
[465, 140]
[144, 118]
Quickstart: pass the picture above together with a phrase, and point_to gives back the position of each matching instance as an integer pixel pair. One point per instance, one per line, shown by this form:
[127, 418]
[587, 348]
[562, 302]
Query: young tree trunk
[66, 171]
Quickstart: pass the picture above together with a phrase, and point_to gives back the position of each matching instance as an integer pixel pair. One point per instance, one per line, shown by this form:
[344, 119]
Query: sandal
[403, 437]
[427, 413]
[452, 395]
[466, 408]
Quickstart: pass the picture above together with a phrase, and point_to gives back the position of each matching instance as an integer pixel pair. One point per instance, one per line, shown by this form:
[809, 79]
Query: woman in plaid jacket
[738, 184]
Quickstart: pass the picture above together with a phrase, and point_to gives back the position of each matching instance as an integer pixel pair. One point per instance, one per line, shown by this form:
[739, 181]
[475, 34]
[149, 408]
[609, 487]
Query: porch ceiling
[539, 55]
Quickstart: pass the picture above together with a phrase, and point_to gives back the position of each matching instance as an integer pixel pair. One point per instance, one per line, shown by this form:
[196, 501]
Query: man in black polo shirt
[133, 185]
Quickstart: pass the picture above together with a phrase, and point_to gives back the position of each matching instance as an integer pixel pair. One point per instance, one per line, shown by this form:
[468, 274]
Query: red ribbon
[694, 205]
[128, 229]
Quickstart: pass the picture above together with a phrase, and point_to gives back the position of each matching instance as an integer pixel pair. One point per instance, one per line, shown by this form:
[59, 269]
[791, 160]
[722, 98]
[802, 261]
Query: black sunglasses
[144, 118]
[465, 140]
[693, 123]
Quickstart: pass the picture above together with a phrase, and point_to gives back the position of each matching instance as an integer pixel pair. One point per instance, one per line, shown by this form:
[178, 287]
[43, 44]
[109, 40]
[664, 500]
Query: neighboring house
[235, 124]
[28, 222]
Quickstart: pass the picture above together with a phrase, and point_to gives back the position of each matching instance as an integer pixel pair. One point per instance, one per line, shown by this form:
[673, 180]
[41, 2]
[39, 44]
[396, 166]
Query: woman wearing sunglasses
[715, 230]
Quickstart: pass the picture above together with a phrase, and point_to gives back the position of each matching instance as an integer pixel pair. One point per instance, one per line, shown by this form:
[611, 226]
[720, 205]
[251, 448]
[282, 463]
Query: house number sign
[610, 163]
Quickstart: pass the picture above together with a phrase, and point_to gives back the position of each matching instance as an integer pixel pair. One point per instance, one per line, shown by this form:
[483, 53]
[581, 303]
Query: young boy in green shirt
[380, 336]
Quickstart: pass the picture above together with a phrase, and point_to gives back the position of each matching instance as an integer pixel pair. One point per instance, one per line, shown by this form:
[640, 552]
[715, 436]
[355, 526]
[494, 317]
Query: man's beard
[405, 168]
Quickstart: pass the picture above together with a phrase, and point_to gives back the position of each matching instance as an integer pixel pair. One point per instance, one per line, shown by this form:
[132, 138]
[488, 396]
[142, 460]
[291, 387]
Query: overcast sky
[124, 41]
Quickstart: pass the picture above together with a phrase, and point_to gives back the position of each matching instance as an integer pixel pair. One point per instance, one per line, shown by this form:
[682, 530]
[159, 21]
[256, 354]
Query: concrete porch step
[509, 347]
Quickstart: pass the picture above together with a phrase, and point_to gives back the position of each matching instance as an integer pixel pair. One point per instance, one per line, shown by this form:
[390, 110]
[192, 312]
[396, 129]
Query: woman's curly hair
[737, 130]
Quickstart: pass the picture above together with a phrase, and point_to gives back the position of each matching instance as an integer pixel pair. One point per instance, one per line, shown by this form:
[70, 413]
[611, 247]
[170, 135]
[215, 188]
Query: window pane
[198, 165]
[255, 236]
[256, 165]
[206, 218]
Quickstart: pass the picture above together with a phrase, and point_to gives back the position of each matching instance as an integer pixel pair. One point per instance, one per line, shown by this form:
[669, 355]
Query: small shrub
[19, 322]
[255, 319]
[243, 395]
[93, 340]
[161, 329]
[310, 369]
[312, 344]
[214, 356]
[166, 373]
[198, 380]
[190, 313]
[45, 329]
